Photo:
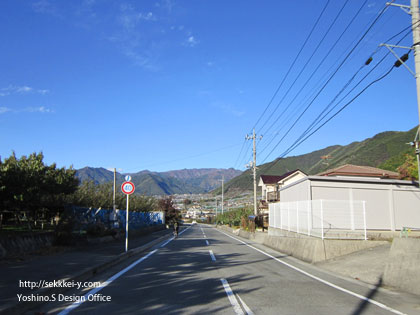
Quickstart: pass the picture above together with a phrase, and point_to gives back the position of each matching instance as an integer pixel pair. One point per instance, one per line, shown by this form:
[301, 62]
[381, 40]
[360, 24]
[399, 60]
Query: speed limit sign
[128, 188]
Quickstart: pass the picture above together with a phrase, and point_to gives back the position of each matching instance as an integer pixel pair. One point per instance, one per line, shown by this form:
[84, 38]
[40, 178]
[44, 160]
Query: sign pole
[126, 225]
[127, 188]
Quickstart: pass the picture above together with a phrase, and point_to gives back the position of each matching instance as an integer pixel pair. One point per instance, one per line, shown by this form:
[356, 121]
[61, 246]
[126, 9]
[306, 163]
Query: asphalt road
[205, 271]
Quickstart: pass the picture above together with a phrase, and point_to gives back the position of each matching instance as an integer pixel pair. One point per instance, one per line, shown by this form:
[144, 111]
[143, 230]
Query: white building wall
[388, 206]
[292, 179]
[299, 191]
[407, 205]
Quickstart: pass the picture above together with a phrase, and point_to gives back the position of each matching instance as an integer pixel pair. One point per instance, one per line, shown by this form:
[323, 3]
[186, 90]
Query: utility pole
[415, 18]
[413, 10]
[113, 198]
[253, 164]
[223, 190]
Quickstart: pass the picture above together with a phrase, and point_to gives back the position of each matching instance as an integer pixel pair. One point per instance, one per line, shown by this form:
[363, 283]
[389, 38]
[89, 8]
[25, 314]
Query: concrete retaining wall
[24, 243]
[402, 270]
[308, 249]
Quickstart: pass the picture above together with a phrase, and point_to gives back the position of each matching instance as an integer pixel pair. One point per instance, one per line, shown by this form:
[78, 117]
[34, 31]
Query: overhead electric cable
[329, 80]
[236, 163]
[293, 63]
[306, 64]
[290, 149]
[316, 69]
[339, 111]
[300, 140]
[318, 119]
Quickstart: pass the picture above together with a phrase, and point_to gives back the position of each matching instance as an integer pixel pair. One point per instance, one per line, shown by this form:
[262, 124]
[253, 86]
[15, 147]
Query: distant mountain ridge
[163, 183]
[382, 150]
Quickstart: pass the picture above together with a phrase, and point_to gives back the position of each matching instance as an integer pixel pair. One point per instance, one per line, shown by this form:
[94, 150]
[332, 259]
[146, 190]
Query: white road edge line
[383, 306]
[246, 308]
[166, 242]
[104, 284]
[212, 255]
[236, 307]
[116, 276]
[207, 242]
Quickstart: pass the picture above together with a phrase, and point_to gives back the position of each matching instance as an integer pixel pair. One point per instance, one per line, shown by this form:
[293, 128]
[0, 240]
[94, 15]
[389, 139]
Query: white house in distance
[271, 185]
[391, 204]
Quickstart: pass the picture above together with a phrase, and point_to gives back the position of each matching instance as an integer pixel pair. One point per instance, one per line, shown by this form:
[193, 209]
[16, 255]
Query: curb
[21, 307]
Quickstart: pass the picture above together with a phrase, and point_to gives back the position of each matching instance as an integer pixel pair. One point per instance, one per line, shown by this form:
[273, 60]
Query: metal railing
[339, 219]
[272, 196]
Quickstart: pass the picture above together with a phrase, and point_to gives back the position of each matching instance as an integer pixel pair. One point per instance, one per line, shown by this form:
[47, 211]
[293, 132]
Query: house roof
[270, 179]
[357, 170]
[273, 179]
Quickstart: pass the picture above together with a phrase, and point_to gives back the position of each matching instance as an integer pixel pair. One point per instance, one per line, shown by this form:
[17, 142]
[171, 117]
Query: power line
[239, 155]
[317, 68]
[244, 158]
[318, 119]
[339, 111]
[329, 80]
[290, 149]
[293, 63]
[306, 64]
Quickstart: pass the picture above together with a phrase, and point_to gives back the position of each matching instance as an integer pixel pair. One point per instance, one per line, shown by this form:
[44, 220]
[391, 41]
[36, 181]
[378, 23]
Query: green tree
[409, 169]
[28, 185]
[91, 195]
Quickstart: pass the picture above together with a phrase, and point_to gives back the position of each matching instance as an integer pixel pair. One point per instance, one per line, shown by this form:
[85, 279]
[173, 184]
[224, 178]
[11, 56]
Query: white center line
[212, 255]
[246, 308]
[236, 307]
[383, 306]
[207, 242]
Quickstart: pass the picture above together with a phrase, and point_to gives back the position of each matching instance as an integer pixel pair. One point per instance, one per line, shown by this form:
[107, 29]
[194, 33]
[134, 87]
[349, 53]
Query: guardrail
[339, 219]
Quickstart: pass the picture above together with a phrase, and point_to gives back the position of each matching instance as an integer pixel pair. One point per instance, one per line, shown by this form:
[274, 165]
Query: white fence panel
[321, 218]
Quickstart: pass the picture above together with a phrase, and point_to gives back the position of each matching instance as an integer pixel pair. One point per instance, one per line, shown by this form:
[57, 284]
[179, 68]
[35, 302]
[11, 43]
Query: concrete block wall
[402, 270]
[308, 249]
[24, 243]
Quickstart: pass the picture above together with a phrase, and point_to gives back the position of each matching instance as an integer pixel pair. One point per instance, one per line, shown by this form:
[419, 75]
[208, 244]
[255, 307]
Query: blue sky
[171, 84]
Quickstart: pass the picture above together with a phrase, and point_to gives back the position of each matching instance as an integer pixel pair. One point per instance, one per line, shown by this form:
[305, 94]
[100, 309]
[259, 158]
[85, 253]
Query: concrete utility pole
[415, 18]
[113, 198]
[413, 10]
[253, 164]
[223, 190]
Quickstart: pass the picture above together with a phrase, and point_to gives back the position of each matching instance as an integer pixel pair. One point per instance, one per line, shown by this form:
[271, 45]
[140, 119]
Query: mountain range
[184, 181]
[385, 150]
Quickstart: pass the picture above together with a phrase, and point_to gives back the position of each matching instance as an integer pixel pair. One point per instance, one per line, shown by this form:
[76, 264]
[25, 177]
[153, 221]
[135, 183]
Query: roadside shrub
[234, 217]
[64, 231]
[96, 229]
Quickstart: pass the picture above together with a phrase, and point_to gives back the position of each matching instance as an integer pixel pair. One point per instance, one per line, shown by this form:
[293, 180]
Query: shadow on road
[365, 303]
[177, 279]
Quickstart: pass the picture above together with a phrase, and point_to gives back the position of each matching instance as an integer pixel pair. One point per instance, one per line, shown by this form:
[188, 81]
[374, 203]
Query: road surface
[207, 271]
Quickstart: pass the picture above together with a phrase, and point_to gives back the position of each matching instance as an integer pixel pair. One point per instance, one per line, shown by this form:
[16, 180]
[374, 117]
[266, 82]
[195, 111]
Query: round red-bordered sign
[128, 188]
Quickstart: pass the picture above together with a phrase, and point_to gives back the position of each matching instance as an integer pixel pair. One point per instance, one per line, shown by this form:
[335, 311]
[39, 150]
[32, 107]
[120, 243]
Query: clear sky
[173, 84]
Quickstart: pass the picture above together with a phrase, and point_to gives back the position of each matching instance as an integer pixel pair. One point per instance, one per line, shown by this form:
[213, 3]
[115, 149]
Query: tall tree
[28, 185]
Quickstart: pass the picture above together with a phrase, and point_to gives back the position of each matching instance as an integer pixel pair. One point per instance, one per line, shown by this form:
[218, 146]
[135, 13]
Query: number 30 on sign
[127, 188]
